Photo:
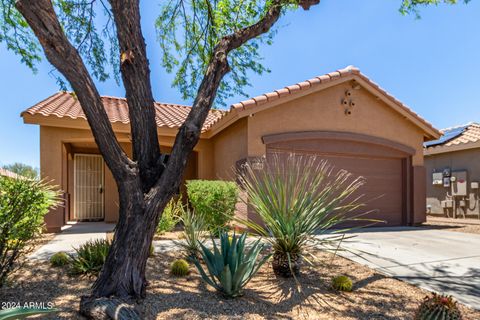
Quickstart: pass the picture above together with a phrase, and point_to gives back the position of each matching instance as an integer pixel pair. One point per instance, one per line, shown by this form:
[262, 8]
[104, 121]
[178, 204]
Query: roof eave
[453, 148]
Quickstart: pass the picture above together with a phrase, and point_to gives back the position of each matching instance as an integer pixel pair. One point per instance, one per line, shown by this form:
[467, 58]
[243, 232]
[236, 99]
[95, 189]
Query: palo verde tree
[211, 45]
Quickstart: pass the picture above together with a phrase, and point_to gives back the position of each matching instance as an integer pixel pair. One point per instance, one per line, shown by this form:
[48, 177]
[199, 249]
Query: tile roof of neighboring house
[457, 136]
[65, 104]
[7, 173]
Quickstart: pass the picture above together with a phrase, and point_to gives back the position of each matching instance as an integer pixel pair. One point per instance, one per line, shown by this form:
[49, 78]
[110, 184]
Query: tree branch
[189, 132]
[43, 20]
[136, 78]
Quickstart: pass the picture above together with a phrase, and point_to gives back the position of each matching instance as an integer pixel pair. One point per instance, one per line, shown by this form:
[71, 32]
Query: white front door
[88, 187]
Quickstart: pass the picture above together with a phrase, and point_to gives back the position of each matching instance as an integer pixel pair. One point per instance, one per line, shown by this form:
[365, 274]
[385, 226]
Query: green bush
[23, 204]
[214, 200]
[170, 215]
[90, 257]
[180, 268]
[59, 259]
[342, 283]
[231, 266]
[438, 307]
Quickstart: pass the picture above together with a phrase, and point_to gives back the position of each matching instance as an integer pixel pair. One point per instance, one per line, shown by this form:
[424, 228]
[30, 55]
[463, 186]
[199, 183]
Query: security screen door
[88, 191]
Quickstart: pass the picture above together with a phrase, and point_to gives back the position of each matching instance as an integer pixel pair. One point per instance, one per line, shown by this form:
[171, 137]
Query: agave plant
[231, 266]
[297, 198]
[194, 232]
[22, 313]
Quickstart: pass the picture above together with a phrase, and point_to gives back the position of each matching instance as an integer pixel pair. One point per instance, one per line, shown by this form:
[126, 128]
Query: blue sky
[431, 64]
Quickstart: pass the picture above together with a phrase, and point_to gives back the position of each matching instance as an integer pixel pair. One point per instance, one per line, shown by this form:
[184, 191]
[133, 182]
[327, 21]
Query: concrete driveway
[442, 261]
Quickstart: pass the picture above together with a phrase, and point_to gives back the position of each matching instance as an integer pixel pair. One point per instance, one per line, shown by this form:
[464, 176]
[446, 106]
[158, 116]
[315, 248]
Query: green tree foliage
[412, 6]
[23, 170]
[88, 25]
[187, 32]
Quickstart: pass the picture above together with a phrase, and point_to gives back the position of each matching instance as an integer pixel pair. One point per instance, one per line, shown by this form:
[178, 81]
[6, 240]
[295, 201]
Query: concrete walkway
[72, 236]
[442, 261]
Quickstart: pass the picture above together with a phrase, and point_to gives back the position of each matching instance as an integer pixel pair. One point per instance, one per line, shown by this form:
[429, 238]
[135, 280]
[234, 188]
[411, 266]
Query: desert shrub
[23, 205]
[194, 232]
[438, 307]
[90, 257]
[170, 215]
[59, 259]
[297, 198]
[214, 200]
[180, 268]
[342, 283]
[231, 266]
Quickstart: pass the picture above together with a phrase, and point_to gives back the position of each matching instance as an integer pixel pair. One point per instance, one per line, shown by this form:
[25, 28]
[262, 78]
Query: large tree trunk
[145, 184]
[123, 275]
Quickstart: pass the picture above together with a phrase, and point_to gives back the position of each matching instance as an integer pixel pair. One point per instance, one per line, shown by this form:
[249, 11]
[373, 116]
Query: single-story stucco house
[453, 172]
[342, 116]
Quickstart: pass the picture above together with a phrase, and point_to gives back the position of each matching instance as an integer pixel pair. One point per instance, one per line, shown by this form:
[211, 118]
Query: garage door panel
[383, 191]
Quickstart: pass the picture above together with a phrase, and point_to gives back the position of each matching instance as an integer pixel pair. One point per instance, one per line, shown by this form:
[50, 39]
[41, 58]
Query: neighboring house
[9, 174]
[453, 172]
[341, 116]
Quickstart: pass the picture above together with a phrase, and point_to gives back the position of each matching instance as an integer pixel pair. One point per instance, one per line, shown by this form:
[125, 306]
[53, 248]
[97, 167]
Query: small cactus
[59, 259]
[438, 307]
[180, 268]
[342, 283]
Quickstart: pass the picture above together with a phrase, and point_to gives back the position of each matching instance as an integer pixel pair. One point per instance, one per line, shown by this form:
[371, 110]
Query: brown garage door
[383, 189]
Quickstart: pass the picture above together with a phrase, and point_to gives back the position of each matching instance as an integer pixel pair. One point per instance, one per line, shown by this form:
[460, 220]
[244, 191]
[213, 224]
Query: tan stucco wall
[457, 161]
[228, 147]
[57, 147]
[323, 111]
[318, 111]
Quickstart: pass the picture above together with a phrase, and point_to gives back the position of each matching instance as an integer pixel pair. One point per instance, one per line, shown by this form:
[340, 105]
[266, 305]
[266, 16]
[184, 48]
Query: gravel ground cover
[452, 226]
[266, 297]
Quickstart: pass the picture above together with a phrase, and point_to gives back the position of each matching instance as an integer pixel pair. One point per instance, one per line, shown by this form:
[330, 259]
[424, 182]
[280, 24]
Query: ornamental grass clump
[342, 283]
[231, 266]
[438, 307]
[297, 198]
[180, 268]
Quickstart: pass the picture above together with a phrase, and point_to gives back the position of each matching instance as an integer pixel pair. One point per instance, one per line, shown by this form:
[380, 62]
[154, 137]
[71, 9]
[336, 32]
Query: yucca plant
[299, 197]
[90, 257]
[231, 266]
[194, 232]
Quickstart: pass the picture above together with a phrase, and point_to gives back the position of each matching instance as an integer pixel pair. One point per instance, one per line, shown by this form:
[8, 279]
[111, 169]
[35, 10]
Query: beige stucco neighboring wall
[323, 110]
[457, 161]
[228, 147]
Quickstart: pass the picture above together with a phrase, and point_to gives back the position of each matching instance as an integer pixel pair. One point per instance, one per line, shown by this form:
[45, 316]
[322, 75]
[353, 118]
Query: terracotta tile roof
[311, 83]
[64, 104]
[459, 135]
